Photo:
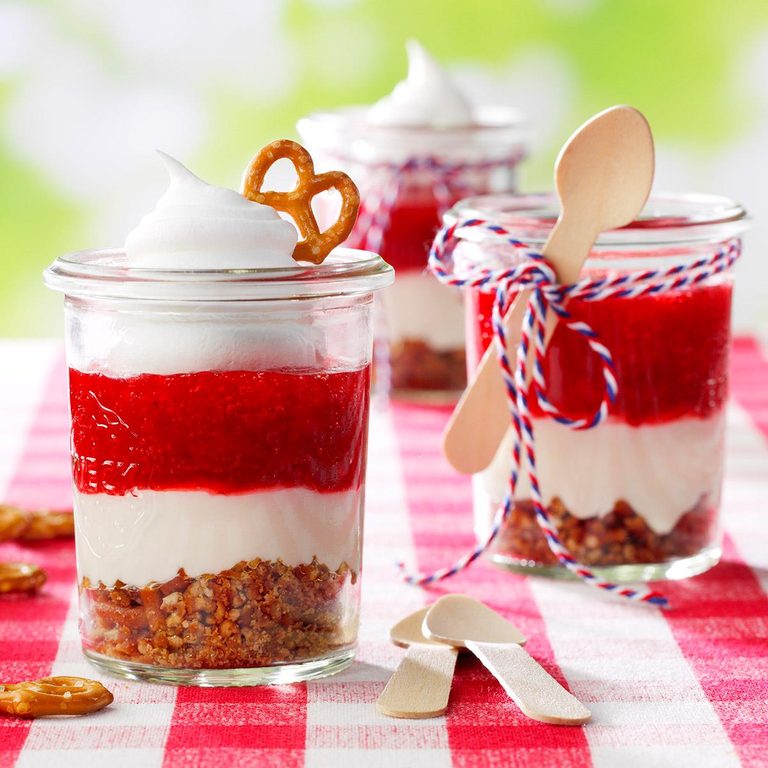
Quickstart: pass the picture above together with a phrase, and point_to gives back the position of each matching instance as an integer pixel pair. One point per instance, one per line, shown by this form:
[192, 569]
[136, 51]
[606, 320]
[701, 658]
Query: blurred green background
[89, 89]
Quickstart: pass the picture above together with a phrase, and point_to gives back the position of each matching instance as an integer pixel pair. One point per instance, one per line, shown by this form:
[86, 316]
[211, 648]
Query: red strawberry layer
[219, 431]
[670, 353]
[413, 222]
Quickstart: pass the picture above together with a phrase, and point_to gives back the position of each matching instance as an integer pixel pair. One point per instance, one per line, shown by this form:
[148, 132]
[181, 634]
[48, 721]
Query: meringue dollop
[197, 226]
[428, 96]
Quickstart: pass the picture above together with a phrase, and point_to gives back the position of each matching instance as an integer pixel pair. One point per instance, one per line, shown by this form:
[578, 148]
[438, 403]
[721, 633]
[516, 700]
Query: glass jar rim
[105, 274]
[667, 219]
[497, 132]
[491, 118]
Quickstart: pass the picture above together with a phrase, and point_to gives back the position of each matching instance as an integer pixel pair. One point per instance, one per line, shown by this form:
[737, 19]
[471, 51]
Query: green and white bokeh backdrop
[89, 88]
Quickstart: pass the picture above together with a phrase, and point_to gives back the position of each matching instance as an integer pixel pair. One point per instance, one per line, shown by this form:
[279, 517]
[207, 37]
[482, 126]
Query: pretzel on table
[39, 525]
[20, 577]
[54, 696]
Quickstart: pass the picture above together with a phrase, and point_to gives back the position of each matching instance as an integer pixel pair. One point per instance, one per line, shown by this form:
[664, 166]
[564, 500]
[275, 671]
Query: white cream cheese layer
[150, 535]
[662, 471]
[129, 344]
[427, 97]
[419, 307]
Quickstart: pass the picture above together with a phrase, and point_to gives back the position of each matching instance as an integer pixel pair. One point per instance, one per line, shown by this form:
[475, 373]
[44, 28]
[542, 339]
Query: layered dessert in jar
[413, 154]
[219, 399]
[639, 493]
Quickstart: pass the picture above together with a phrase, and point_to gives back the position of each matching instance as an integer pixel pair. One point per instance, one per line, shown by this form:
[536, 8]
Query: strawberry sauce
[670, 353]
[413, 222]
[219, 431]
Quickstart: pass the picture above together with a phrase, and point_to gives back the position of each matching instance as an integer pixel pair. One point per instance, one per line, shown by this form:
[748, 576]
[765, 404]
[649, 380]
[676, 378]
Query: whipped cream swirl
[196, 226]
[427, 97]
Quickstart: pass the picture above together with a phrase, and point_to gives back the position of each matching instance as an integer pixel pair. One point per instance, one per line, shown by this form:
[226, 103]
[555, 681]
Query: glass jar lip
[666, 219]
[351, 119]
[496, 132]
[104, 273]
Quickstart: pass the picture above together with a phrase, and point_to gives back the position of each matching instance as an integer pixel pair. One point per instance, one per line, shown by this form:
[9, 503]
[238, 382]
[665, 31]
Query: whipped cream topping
[196, 226]
[426, 97]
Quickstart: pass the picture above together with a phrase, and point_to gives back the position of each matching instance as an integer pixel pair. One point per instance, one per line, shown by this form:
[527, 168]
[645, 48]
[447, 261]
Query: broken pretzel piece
[40, 525]
[54, 696]
[316, 245]
[20, 577]
[48, 525]
[12, 522]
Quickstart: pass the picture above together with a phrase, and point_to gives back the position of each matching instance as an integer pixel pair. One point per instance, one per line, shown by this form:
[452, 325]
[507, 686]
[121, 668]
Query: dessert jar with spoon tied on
[637, 496]
[413, 154]
[219, 427]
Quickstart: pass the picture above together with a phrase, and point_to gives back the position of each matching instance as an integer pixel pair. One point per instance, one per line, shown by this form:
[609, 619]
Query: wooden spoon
[421, 684]
[603, 176]
[468, 623]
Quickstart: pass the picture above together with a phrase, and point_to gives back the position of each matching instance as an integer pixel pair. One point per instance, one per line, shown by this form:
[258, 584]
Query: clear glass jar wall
[424, 323]
[637, 496]
[218, 454]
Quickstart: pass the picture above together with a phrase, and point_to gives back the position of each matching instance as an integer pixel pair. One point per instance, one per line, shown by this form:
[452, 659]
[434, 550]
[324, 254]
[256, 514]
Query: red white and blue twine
[448, 181]
[535, 274]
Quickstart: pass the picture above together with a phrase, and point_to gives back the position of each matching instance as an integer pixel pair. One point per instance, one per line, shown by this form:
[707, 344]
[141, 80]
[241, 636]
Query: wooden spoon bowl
[603, 177]
[468, 623]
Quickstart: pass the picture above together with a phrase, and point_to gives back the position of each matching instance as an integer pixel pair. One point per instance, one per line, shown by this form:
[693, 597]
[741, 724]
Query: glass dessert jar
[219, 427]
[637, 496]
[408, 176]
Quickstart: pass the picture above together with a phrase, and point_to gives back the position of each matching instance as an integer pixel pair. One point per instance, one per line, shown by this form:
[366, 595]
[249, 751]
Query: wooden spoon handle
[480, 419]
[478, 423]
[529, 685]
[421, 684]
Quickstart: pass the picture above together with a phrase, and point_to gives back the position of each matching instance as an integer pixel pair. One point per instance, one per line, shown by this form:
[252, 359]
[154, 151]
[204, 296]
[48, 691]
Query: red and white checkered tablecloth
[683, 687]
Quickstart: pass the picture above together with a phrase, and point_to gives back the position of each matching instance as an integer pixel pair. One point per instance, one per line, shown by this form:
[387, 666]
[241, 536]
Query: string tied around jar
[446, 183]
[534, 273]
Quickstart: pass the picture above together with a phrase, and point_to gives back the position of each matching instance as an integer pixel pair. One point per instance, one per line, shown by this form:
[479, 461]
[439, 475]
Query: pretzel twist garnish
[40, 525]
[316, 245]
[54, 696]
[20, 577]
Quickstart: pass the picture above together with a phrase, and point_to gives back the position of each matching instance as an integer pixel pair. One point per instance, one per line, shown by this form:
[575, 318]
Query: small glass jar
[637, 496]
[408, 177]
[219, 427]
